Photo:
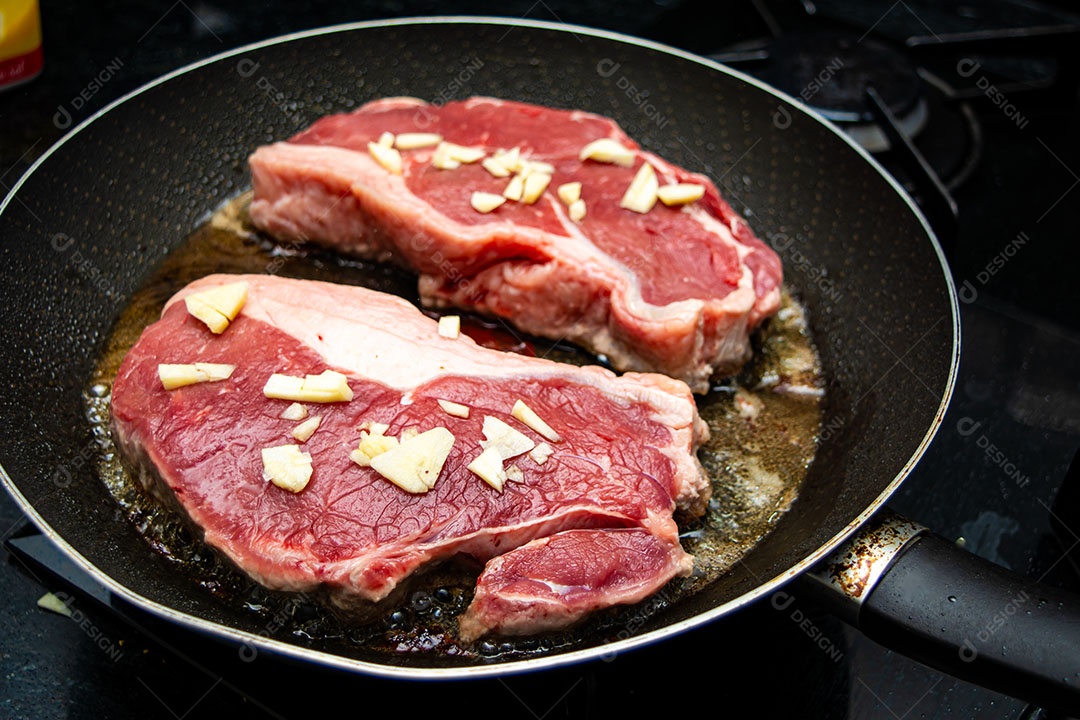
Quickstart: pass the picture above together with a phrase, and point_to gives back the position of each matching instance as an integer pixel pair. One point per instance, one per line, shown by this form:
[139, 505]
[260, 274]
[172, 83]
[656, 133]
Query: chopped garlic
[515, 474]
[680, 193]
[528, 167]
[515, 188]
[641, 195]
[496, 168]
[485, 202]
[296, 411]
[217, 307]
[508, 441]
[442, 159]
[52, 603]
[375, 428]
[328, 386]
[449, 156]
[450, 326]
[304, 431]
[569, 192]
[541, 453]
[415, 464]
[510, 160]
[388, 157]
[488, 466]
[412, 141]
[372, 445]
[465, 154]
[607, 150]
[387, 139]
[501, 442]
[525, 414]
[577, 210]
[174, 376]
[287, 467]
[535, 185]
[453, 408]
[409, 433]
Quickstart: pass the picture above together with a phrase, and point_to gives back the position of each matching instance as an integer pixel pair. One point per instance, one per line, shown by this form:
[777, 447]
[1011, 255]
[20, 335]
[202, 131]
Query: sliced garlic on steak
[386, 140]
[442, 159]
[510, 160]
[515, 474]
[606, 150]
[535, 185]
[505, 439]
[465, 154]
[680, 193]
[328, 386]
[219, 306]
[528, 167]
[304, 431]
[287, 467]
[173, 376]
[453, 408]
[501, 442]
[485, 202]
[387, 157]
[488, 466]
[577, 210]
[515, 188]
[449, 156]
[296, 411]
[541, 453]
[496, 168]
[372, 444]
[375, 428]
[569, 192]
[415, 464]
[641, 195]
[530, 419]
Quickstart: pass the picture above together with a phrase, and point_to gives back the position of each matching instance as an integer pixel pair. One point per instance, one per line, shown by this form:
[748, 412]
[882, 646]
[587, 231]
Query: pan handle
[924, 597]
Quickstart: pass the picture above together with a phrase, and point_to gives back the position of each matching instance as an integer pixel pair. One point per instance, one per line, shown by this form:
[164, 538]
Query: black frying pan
[97, 214]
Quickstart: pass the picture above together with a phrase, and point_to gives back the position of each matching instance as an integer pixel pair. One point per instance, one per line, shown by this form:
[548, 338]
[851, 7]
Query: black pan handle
[922, 596]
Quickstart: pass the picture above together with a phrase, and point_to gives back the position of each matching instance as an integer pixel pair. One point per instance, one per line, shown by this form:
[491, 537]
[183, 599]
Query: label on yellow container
[20, 41]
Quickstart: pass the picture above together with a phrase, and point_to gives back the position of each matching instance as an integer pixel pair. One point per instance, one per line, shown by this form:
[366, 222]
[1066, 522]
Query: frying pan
[93, 218]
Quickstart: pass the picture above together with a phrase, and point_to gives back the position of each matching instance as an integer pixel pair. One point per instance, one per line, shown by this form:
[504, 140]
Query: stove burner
[831, 70]
[883, 99]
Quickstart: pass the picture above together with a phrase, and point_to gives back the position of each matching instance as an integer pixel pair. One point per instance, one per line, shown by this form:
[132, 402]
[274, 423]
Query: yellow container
[20, 41]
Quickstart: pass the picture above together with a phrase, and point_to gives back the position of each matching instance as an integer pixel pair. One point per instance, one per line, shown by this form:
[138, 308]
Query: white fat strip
[323, 316]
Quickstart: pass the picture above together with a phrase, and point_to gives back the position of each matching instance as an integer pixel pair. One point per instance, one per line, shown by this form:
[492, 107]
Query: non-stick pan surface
[93, 218]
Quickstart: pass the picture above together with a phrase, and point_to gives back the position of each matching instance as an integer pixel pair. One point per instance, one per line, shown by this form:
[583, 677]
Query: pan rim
[560, 659]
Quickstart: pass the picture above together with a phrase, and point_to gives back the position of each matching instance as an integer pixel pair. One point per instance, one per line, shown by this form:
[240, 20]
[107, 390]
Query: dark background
[1018, 379]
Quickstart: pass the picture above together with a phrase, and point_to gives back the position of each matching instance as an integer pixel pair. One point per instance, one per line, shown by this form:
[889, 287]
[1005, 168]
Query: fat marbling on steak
[675, 290]
[589, 527]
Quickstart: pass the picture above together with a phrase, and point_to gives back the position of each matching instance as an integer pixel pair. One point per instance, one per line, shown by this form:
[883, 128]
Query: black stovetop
[997, 475]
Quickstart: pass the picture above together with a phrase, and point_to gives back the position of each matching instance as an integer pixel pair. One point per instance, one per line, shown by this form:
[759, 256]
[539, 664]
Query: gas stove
[972, 107]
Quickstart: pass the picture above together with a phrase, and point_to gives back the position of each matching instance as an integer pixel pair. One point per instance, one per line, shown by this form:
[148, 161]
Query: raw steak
[589, 527]
[675, 290]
